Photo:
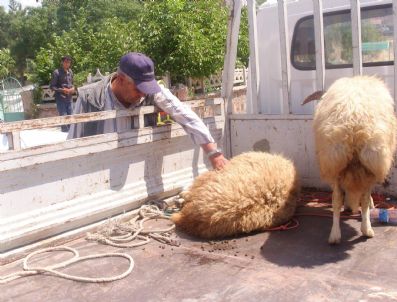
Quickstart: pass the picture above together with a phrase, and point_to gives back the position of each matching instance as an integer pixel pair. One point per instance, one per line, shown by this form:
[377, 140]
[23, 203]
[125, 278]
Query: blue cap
[140, 68]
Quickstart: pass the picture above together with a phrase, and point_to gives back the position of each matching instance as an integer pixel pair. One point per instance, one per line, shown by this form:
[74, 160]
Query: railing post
[228, 69]
[14, 140]
[356, 37]
[254, 62]
[284, 47]
[319, 43]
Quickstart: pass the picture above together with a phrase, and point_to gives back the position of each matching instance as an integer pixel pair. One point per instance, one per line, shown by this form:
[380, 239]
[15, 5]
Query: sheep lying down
[254, 191]
[355, 135]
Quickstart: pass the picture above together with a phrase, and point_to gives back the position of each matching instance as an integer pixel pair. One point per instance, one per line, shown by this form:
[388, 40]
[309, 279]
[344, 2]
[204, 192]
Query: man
[62, 84]
[125, 89]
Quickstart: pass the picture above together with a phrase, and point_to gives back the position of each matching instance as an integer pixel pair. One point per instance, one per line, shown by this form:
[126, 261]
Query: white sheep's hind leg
[337, 202]
[366, 227]
[371, 203]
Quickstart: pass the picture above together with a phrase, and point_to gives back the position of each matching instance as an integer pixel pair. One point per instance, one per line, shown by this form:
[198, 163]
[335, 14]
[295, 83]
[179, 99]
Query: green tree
[243, 50]
[14, 6]
[7, 63]
[89, 49]
[185, 38]
[30, 30]
[69, 11]
[93, 32]
[4, 26]
[113, 39]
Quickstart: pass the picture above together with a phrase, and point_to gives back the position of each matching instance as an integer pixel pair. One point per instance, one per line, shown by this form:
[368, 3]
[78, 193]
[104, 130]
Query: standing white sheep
[355, 136]
[255, 190]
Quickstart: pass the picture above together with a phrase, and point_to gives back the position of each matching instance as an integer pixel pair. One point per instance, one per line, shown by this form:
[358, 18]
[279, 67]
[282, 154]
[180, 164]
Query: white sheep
[355, 136]
[255, 190]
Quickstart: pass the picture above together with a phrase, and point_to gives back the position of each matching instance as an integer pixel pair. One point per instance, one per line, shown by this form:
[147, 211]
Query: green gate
[11, 106]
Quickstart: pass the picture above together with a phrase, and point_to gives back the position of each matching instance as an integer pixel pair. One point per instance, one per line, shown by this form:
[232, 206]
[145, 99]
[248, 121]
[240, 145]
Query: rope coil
[52, 270]
[117, 234]
[132, 233]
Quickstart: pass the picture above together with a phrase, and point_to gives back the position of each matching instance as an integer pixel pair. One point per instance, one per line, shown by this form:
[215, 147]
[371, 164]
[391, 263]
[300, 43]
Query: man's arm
[71, 89]
[76, 130]
[54, 81]
[192, 124]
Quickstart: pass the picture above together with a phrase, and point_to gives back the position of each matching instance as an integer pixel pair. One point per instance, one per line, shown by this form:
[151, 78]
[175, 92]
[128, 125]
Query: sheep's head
[313, 97]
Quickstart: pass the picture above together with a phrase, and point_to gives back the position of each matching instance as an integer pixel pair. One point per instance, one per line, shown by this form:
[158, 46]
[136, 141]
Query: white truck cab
[377, 48]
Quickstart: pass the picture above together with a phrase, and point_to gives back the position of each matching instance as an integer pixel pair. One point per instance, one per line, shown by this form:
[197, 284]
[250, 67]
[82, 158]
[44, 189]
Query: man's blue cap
[140, 68]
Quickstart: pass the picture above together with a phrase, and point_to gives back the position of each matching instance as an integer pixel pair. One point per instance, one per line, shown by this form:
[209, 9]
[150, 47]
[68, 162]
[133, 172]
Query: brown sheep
[254, 191]
[355, 134]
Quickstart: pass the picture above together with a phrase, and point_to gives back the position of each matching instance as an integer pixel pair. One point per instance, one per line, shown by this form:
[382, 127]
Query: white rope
[52, 270]
[129, 234]
[133, 233]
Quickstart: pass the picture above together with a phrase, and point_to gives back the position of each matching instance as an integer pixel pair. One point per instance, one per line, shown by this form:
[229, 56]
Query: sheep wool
[355, 137]
[256, 190]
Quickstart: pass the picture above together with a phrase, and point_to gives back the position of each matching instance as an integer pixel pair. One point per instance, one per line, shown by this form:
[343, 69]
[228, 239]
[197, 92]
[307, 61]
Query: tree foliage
[4, 26]
[94, 49]
[7, 63]
[185, 38]
[30, 30]
[243, 40]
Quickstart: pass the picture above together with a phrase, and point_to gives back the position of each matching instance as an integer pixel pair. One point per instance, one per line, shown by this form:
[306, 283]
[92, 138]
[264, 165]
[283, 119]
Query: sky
[24, 3]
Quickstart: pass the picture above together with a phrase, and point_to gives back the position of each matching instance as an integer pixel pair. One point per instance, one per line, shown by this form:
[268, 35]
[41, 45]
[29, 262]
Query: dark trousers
[64, 108]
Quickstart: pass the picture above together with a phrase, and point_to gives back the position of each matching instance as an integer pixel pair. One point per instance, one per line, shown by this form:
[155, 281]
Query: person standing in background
[62, 84]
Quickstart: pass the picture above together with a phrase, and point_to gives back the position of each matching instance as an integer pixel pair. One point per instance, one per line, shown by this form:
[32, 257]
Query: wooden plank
[395, 50]
[264, 117]
[356, 37]
[138, 136]
[72, 119]
[254, 60]
[284, 47]
[231, 51]
[88, 117]
[93, 145]
[319, 43]
[228, 69]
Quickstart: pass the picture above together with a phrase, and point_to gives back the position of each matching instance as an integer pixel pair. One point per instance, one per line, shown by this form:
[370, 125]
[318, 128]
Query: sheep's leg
[337, 202]
[371, 202]
[346, 205]
[366, 228]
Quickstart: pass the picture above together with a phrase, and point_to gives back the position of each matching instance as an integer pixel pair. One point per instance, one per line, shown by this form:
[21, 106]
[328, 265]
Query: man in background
[62, 84]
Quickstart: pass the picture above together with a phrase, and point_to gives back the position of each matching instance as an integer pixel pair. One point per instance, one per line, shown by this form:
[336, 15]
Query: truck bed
[292, 265]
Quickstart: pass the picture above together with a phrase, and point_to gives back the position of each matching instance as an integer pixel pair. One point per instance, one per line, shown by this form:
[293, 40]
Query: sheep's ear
[313, 97]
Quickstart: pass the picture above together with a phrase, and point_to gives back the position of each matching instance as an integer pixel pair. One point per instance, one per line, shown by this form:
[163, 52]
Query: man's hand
[218, 161]
[67, 90]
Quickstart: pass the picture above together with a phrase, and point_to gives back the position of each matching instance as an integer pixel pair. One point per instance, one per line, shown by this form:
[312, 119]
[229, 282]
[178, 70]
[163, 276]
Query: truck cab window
[376, 33]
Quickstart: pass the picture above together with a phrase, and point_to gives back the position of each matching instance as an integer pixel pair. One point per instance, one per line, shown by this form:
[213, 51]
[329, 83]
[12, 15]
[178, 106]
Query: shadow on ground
[307, 246]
